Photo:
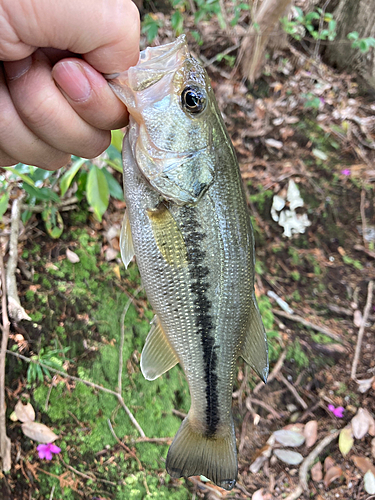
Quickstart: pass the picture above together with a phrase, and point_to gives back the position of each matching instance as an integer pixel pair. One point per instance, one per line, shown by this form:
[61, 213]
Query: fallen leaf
[346, 440]
[72, 256]
[116, 270]
[264, 454]
[332, 474]
[373, 447]
[369, 483]
[38, 432]
[24, 413]
[110, 254]
[317, 472]
[273, 143]
[357, 318]
[361, 423]
[288, 456]
[13, 416]
[364, 464]
[289, 438]
[365, 385]
[328, 463]
[311, 432]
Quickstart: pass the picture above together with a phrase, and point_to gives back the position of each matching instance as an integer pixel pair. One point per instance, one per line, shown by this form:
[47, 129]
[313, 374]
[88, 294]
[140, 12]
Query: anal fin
[157, 356]
[126, 241]
[255, 348]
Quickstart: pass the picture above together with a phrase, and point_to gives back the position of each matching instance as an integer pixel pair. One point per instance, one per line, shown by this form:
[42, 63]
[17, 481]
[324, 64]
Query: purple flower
[346, 171]
[338, 412]
[46, 450]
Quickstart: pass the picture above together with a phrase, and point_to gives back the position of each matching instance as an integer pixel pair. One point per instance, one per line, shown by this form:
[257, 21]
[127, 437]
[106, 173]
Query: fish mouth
[153, 64]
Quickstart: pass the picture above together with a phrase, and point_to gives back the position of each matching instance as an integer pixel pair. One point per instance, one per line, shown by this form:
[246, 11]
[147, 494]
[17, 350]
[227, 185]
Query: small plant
[48, 357]
[363, 44]
[318, 24]
[150, 27]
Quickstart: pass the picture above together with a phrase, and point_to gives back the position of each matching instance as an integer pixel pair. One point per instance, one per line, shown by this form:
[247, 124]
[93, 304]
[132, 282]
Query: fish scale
[188, 225]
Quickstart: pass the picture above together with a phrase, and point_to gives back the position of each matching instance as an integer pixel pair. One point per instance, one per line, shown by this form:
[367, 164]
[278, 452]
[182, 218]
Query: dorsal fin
[255, 348]
[126, 241]
[157, 356]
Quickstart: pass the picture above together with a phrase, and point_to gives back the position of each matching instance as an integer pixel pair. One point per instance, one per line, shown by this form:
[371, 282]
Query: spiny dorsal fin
[157, 356]
[126, 241]
[255, 348]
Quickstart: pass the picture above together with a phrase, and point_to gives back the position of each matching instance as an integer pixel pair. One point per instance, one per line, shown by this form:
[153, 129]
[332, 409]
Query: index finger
[105, 32]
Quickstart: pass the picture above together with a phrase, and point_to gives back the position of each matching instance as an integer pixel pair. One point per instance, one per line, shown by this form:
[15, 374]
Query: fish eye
[193, 99]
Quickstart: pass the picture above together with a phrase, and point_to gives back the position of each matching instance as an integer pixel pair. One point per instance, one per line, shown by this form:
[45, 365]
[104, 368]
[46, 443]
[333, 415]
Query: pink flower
[346, 172]
[338, 412]
[46, 450]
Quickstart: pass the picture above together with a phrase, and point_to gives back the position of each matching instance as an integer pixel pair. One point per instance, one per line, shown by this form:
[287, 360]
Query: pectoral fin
[255, 348]
[168, 236]
[157, 356]
[126, 241]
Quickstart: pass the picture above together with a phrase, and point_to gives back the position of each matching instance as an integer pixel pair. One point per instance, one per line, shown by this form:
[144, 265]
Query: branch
[16, 311]
[4, 440]
[304, 322]
[366, 313]
[308, 463]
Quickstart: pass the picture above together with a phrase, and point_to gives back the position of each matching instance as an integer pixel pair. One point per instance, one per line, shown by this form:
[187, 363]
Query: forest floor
[300, 122]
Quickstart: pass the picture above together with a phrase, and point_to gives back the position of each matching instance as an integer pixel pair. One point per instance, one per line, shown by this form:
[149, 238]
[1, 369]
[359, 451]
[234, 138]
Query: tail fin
[192, 454]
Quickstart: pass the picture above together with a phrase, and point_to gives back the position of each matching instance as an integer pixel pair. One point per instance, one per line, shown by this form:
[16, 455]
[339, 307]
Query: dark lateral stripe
[203, 319]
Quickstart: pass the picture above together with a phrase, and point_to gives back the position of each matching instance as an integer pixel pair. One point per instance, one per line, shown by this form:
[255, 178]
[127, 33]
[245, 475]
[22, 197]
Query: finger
[46, 112]
[18, 143]
[106, 31]
[100, 108]
[6, 161]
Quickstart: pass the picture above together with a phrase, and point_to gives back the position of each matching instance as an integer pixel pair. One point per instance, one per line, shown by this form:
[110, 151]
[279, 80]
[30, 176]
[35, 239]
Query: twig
[360, 248]
[293, 390]
[4, 440]
[363, 217]
[274, 372]
[16, 311]
[304, 322]
[61, 205]
[308, 463]
[321, 21]
[166, 440]
[52, 492]
[179, 414]
[122, 320]
[266, 406]
[126, 448]
[366, 313]
[86, 382]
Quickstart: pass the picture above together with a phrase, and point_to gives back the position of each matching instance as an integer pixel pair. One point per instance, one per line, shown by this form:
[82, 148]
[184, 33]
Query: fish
[188, 225]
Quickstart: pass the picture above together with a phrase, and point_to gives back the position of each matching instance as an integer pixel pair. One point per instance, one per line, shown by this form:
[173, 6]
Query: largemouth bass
[188, 225]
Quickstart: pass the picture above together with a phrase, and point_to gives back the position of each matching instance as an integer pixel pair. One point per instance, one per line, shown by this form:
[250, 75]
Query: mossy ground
[80, 306]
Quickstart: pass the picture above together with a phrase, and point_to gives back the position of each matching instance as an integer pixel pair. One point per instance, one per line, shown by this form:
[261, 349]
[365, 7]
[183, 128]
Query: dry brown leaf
[24, 413]
[311, 432]
[332, 474]
[72, 256]
[317, 472]
[38, 432]
[363, 464]
[328, 463]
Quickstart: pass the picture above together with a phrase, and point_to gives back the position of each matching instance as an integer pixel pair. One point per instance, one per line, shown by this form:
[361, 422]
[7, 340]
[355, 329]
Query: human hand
[54, 101]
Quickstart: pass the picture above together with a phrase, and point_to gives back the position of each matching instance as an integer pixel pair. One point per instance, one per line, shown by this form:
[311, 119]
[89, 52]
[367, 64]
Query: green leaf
[117, 138]
[97, 191]
[353, 35]
[24, 177]
[53, 222]
[114, 187]
[177, 22]
[4, 204]
[69, 175]
[42, 194]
